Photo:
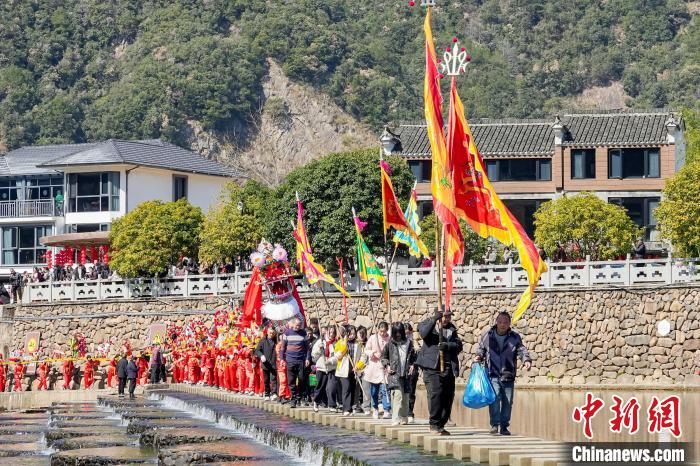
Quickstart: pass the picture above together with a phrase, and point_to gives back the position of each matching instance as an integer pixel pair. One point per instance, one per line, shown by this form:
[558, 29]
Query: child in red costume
[176, 367]
[19, 375]
[211, 368]
[68, 368]
[204, 367]
[193, 368]
[89, 372]
[233, 371]
[43, 372]
[111, 371]
[283, 386]
[143, 370]
[220, 371]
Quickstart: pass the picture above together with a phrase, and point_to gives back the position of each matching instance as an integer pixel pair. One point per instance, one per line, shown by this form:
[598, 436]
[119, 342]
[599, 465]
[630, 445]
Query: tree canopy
[601, 230]
[153, 236]
[679, 211]
[235, 226]
[329, 188]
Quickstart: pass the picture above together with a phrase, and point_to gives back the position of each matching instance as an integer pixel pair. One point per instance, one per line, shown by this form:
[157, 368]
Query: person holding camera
[499, 347]
[438, 359]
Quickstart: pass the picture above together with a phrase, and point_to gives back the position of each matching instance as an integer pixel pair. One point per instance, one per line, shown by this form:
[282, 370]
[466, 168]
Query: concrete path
[466, 444]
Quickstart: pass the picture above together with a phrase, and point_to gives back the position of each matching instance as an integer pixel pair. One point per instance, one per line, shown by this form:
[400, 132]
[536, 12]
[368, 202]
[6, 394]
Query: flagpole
[438, 269]
[387, 297]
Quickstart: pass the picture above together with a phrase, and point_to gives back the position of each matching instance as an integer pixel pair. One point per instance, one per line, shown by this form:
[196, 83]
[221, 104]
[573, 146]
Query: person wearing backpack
[499, 347]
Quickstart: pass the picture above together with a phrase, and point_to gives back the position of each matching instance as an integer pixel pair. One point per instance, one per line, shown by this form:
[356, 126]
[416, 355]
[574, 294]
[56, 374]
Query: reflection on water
[546, 413]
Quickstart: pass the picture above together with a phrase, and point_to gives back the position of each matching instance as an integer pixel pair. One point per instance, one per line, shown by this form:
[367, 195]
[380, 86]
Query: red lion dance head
[271, 273]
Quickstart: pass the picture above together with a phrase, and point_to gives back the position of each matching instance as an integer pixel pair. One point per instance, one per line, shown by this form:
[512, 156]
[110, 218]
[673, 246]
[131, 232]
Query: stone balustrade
[469, 277]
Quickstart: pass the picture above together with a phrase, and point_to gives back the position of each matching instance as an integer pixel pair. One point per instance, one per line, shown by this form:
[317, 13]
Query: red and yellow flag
[302, 240]
[479, 205]
[393, 215]
[313, 271]
[441, 177]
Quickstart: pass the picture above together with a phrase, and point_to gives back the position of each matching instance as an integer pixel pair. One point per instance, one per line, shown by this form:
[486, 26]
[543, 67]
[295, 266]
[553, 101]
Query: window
[634, 163]
[179, 187]
[93, 192]
[519, 169]
[20, 245]
[640, 210]
[86, 227]
[583, 163]
[421, 169]
[30, 188]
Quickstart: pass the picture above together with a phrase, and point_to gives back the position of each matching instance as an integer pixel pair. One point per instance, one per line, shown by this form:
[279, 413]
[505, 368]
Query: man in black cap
[439, 377]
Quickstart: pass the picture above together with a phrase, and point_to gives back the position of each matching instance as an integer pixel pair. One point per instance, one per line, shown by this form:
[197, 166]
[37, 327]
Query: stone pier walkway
[375, 441]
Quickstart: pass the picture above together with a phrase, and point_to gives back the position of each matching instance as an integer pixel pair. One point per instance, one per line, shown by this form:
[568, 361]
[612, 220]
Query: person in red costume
[176, 367]
[43, 373]
[143, 370]
[204, 367]
[89, 372]
[241, 372]
[233, 371]
[285, 394]
[193, 368]
[111, 371]
[19, 375]
[3, 374]
[68, 368]
[211, 368]
[221, 371]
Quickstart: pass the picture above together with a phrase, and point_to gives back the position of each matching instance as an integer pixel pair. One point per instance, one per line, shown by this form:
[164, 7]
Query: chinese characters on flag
[661, 414]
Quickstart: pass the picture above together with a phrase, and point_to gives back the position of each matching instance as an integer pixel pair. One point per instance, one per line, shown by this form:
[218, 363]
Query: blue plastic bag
[479, 392]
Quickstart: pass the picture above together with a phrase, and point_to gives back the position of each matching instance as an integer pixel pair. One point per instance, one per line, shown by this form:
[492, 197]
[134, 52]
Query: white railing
[42, 208]
[472, 277]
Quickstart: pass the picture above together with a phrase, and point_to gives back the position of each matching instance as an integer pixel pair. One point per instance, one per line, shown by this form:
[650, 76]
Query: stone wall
[574, 336]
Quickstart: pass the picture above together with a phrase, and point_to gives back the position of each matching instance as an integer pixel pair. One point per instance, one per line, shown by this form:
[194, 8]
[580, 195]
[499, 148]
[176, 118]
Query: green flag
[366, 263]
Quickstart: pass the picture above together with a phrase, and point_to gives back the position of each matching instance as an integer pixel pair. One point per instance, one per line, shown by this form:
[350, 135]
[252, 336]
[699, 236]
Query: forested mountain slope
[177, 69]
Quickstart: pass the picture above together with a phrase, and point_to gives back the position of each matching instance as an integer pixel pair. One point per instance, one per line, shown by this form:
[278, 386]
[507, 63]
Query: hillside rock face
[295, 125]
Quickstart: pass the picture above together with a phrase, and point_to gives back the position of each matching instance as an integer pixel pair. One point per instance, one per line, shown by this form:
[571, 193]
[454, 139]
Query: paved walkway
[378, 442]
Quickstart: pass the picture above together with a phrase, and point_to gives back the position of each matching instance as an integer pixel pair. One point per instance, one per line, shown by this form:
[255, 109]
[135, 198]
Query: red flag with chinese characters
[252, 300]
[479, 205]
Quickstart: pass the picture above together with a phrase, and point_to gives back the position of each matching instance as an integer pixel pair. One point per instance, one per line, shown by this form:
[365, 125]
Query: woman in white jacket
[318, 357]
[348, 354]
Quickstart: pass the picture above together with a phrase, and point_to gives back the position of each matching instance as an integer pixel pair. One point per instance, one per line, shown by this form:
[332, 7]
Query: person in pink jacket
[374, 372]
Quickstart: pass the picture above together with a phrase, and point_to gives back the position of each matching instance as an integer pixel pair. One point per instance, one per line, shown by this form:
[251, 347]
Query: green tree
[153, 236]
[601, 230]
[679, 211]
[329, 187]
[474, 245]
[235, 226]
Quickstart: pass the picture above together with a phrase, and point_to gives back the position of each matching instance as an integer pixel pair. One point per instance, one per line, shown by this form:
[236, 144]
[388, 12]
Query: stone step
[480, 453]
[445, 444]
[526, 459]
[461, 448]
[417, 439]
[501, 457]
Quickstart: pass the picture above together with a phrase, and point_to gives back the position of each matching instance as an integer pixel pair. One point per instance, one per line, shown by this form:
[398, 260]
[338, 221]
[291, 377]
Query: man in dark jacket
[268, 357]
[439, 378]
[132, 372]
[499, 347]
[295, 351]
[156, 363]
[121, 374]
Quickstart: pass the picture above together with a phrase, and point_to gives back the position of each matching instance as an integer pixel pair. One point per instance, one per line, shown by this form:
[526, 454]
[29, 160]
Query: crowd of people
[339, 368]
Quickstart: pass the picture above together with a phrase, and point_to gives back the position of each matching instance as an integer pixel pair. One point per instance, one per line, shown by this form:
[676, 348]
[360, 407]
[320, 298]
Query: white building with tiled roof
[77, 190]
[622, 156]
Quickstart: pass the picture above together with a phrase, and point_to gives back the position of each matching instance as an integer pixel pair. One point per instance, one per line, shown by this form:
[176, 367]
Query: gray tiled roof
[602, 129]
[148, 153]
[529, 137]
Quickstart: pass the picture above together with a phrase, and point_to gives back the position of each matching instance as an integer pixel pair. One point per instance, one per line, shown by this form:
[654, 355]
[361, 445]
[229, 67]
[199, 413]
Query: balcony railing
[401, 280]
[37, 208]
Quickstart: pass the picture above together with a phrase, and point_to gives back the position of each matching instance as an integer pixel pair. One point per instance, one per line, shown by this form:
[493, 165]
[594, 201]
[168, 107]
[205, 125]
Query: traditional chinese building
[624, 157]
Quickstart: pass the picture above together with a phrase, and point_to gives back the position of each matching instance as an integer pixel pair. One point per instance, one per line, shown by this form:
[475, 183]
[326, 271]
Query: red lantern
[69, 256]
[48, 259]
[94, 256]
[82, 256]
[105, 257]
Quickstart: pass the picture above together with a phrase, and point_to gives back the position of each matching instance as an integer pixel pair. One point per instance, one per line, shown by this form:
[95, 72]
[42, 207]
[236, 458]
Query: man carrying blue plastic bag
[499, 347]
